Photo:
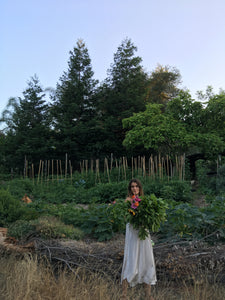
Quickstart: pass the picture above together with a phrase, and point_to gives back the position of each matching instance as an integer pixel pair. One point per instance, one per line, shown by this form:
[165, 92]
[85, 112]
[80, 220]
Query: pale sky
[37, 35]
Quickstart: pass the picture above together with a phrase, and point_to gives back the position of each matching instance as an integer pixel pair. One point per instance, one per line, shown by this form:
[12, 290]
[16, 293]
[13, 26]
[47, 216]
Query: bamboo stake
[156, 165]
[57, 170]
[167, 165]
[52, 169]
[39, 171]
[135, 165]
[119, 170]
[163, 166]
[180, 167]
[60, 167]
[42, 172]
[86, 166]
[177, 167]
[97, 171]
[48, 171]
[66, 166]
[139, 164]
[71, 171]
[171, 168]
[152, 167]
[124, 167]
[116, 164]
[32, 168]
[143, 166]
[111, 162]
[107, 169]
[160, 166]
[83, 165]
[183, 166]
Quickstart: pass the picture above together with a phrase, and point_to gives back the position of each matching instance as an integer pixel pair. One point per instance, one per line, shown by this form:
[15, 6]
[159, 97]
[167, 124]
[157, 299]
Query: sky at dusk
[36, 37]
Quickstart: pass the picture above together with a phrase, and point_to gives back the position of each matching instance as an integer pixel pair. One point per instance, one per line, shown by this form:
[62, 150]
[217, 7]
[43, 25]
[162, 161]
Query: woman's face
[135, 188]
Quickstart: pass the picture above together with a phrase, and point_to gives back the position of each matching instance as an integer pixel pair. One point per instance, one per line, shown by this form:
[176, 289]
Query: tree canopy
[132, 112]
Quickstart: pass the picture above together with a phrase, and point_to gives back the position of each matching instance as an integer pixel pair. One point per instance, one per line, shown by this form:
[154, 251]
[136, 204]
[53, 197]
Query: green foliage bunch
[146, 214]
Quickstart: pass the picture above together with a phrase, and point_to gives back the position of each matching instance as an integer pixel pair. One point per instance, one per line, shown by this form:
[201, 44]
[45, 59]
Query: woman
[138, 262]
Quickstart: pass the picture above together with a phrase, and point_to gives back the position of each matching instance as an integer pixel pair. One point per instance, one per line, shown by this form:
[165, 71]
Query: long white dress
[138, 262]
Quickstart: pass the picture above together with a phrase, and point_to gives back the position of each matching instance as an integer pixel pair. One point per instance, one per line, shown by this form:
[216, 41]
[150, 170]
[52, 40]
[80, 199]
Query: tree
[163, 85]
[156, 131]
[122, 94]
[28, 126]
[74, 105]
[182, 127]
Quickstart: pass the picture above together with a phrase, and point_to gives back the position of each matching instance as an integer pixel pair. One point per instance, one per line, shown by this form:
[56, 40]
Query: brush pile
[174, 261]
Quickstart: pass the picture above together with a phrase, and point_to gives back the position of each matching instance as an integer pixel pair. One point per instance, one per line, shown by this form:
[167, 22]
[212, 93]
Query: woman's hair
[137, 181]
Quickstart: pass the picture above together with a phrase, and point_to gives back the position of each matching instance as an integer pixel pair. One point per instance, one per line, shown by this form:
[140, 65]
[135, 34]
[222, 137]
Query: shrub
[10, 208]
[20, 229]
[171, 190]
[47, 227]
[206, 176]
[220, 180]
[108, 192]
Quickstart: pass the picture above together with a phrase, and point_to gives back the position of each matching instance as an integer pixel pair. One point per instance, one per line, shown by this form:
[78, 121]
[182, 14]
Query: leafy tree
[27, 126]
[214, 115]
[74, 105]
[186, 110]
[122, 94]
[182, 127]
[156, 131]
[163, 85]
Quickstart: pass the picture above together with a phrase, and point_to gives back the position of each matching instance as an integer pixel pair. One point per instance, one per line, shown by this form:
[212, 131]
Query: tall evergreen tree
[122, 94]
[74, 106]
[28, 126]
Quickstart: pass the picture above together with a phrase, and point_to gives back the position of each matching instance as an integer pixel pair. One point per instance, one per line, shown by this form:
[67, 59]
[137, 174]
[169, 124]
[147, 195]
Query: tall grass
[30, 279]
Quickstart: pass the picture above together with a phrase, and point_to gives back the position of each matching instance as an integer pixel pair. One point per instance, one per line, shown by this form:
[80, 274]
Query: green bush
[108, 192]
[20, 229]
[185, 220]
[171, 190]
[206, 176]
[220, 180]
[19, 187]
[10, 208]
[46, 227]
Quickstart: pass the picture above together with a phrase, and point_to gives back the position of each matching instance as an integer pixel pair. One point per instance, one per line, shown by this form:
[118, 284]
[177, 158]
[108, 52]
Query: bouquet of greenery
[146, 214]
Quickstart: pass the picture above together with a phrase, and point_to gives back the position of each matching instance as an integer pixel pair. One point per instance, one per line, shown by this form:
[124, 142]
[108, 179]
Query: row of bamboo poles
[153, 167]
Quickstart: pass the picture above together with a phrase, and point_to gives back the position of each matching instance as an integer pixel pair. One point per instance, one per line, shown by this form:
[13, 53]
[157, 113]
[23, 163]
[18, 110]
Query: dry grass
[28, 279]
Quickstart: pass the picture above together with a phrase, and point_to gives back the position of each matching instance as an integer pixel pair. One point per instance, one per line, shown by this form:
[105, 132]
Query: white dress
[138, 262]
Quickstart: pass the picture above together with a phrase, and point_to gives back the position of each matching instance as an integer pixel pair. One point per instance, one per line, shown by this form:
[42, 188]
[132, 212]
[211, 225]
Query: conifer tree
[28, 126]
[122, 94]
[74, 106]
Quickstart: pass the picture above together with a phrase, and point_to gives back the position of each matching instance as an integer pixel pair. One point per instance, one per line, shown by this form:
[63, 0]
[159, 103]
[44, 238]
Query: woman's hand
[128, 199]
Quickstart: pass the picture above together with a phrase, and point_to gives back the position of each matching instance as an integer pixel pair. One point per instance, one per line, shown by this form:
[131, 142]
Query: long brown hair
[137, 181]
